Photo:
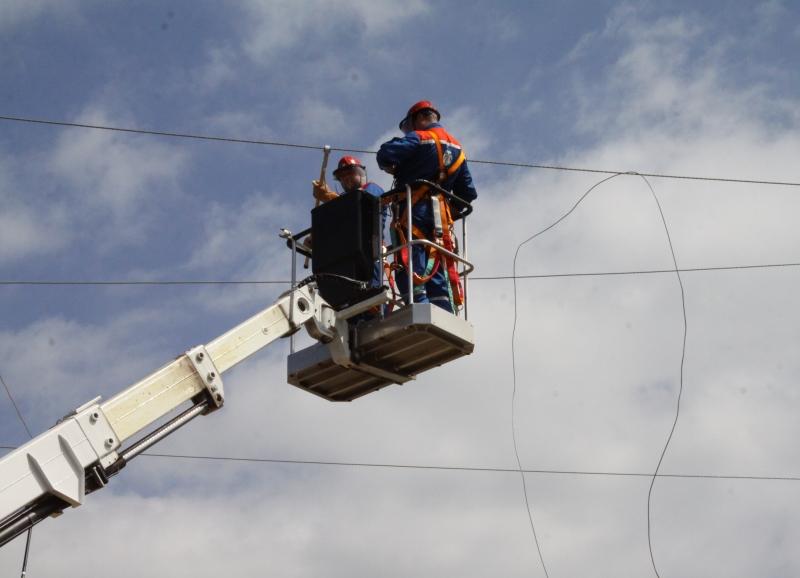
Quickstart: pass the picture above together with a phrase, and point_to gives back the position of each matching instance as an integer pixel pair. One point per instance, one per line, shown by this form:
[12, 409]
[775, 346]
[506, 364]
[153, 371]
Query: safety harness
[443, 230]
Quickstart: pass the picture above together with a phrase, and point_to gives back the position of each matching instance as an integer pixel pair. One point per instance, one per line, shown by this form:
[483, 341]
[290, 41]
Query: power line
[514, 362]
[639, 272]
[680, 389]
[486, 469]
[16, 407]
[683, 356]
[30, 435]
[31, 282]
[365, 151]
[163, 133]
[166, 282]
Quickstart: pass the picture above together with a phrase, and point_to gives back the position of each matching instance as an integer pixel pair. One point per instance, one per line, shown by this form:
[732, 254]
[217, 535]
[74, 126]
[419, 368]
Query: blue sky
[681, 87]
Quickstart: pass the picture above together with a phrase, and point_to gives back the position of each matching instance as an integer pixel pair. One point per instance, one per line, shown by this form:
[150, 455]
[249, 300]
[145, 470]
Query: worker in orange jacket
[427, 151]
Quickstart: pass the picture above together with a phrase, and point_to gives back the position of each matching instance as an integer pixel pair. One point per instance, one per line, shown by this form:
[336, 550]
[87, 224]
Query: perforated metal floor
[408, 342]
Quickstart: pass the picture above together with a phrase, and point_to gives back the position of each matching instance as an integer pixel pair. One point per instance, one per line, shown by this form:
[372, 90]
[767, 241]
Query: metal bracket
[322, 325]
[339, 347]
[366, 305]
[209, 375]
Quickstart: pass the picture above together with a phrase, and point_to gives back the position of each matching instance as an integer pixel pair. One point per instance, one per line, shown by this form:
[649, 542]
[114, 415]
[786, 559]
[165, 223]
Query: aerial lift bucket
[389, 348]
[400, 346]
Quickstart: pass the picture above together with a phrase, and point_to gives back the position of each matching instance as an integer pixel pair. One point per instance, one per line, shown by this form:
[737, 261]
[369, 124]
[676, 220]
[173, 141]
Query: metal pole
[463, 267]
[409, 232]
[27, 550]
[294, 285]
[380, 252]
[163, 432]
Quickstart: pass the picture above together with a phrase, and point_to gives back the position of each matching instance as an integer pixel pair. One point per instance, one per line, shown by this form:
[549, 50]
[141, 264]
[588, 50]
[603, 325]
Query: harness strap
[444, 171]
[443, 235]
[440, 155]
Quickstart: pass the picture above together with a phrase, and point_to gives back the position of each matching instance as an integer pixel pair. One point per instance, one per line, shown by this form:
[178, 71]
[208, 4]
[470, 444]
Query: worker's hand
[322, 193]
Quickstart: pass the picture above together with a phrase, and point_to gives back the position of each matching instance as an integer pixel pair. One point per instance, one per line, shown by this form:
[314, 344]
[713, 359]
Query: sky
[683, 88]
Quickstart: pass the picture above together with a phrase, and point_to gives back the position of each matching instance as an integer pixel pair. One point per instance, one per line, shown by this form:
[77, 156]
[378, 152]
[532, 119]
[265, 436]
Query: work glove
[322, 193]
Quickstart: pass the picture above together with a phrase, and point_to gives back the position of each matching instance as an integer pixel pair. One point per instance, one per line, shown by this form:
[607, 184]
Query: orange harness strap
[435, 259]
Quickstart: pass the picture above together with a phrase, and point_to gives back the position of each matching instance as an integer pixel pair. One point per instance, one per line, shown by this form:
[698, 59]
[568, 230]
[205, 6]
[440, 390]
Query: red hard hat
[347, 162]
[419, 107]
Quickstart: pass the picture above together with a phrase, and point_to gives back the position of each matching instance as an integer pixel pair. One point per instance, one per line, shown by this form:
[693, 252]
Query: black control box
[346, 244]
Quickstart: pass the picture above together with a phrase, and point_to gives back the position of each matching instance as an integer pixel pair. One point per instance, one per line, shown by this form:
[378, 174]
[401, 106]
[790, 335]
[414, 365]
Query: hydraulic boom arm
[78, 455]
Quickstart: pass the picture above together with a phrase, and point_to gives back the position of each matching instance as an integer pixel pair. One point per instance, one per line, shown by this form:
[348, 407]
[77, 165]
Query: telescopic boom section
[59, 467]
[160, 393]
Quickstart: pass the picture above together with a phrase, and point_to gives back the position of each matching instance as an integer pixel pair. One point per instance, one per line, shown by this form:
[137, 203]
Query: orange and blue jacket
[415, 156]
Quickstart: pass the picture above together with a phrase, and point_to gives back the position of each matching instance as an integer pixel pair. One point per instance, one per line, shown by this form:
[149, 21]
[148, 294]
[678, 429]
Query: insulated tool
[326, 151]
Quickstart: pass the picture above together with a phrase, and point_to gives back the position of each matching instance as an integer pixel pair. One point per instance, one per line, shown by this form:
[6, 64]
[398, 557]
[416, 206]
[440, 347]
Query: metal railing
[465, 210]
[294, 241]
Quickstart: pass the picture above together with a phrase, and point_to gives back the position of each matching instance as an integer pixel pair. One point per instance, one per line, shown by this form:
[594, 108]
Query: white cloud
[280, 25]
[17, 12]
[239, 124]
[58, 363]
[23, 234]
[219, 68]
[770, 13]
[26, 231]
[118, 182]
[465, 124]
[314, 118]
[250, 230]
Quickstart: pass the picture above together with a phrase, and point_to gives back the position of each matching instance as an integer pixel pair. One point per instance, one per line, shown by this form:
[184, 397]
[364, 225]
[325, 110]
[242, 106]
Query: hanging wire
[30, 435]
[16, 407]
[676, 270]
[514, 364]
[680, 389]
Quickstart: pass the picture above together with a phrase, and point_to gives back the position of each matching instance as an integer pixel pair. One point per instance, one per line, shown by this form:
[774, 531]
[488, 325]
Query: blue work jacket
[414, 156]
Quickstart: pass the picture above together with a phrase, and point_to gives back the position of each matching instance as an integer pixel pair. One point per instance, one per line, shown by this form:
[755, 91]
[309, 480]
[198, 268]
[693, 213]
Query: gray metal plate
[412, 340]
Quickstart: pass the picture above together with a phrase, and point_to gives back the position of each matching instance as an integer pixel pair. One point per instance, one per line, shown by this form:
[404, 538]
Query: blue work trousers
[436, 290]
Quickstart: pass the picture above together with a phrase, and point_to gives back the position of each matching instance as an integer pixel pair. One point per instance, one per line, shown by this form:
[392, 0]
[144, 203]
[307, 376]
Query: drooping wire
[514, 365]
[385, 465]
[680, 388]
[30, 435]
[676, 270]
[16, 407]
[366, 151]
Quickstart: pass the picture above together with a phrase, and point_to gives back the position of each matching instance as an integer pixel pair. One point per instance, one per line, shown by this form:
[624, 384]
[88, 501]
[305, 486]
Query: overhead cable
[16, 407]
[514, 365]
[680, 388]
[486, 469]
[365, 151]
[112, 282]
[675, 270]
[30, 435]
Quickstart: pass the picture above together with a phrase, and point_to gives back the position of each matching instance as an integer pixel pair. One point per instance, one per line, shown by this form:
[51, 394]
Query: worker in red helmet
[427, 151]
[352, 176]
